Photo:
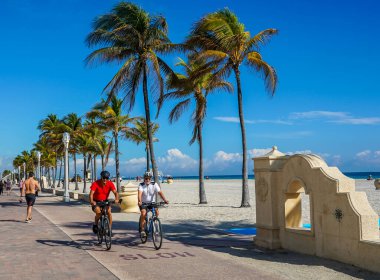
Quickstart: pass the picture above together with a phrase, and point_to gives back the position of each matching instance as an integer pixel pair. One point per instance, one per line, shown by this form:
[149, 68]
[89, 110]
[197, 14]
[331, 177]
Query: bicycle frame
[149, 220]
[104, 229]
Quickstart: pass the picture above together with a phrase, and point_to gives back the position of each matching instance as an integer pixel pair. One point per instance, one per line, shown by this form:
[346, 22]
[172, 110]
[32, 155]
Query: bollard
[129, 198]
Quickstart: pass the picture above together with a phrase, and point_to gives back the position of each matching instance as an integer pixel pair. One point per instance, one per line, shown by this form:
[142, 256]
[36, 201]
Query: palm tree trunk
[84, 174]
[147, 156]
[115, 135]
[88, 165]
[202, 192]
[54, 172]
[95, 168]
[149, 127]
[102, 156]
[75, 172]
[60, 172]
[49, 179]
[245, 190]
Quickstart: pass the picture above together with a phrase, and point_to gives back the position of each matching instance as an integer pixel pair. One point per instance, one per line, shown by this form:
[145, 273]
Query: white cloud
[335, 117]
[368, 158]
[318, 114]
[363, 154]
[176, 160]
[258, 152]
[289, 135]
[227, 119]
[237, 120]
[305, 152]
[358, 121]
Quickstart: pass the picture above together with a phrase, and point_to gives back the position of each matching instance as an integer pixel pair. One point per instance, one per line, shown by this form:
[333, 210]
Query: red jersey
[100, 192]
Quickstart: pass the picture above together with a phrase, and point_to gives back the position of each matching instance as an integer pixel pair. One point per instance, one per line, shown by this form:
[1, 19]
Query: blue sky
[326, 56]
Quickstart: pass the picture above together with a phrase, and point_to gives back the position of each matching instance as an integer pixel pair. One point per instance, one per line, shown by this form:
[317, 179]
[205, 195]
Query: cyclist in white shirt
[147, 193]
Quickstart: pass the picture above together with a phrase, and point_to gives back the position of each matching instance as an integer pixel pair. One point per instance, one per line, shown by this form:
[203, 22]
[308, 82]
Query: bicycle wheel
[100, 230]
[143, 239]
[156, 233]
[107, 234]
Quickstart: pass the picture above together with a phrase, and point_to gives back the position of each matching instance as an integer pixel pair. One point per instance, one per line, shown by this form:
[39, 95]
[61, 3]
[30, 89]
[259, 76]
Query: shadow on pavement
[198, 233]
[14, 221]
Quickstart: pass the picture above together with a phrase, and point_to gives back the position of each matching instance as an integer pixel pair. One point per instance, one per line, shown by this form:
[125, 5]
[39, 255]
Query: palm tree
[73, 126]
[130, 36]
[110, 117]
[221, 38]
[195, 84]
[84, 146]
[48, 155]
[104, 149]
[139, 134]
[52, 129]
[96, 133]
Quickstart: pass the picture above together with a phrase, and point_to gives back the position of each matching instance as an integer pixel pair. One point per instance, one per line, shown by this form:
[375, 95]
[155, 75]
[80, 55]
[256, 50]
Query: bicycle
[152, 224]
[104, 228]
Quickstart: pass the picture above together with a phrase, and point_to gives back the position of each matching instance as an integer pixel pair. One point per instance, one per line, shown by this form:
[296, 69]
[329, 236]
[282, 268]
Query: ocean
[353, 175]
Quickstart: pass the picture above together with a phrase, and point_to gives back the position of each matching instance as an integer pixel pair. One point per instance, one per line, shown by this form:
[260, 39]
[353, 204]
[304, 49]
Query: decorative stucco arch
[344, 227]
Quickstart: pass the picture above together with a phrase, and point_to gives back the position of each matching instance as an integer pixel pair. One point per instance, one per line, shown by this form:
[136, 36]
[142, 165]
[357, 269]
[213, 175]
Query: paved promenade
[59, 244]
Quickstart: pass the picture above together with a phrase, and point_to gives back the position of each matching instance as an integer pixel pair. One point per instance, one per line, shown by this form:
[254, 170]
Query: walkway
[59, 244]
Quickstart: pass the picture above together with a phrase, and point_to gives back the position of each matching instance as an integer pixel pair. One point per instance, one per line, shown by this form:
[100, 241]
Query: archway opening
[297, 206]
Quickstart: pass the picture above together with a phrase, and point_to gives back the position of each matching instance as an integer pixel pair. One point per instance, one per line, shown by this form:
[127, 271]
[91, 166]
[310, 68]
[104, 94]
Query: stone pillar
[129, 198]
[266, 169]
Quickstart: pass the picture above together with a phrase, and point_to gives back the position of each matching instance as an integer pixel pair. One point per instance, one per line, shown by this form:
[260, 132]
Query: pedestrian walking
[1, 187]
[29, 189]
[20, 183]
[8, 185]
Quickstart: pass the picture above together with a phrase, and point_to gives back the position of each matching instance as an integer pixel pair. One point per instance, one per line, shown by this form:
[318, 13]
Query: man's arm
[92, 202]
[139, 197]
[23, 189]
[163, 197]
[116, 196]
[38, 185]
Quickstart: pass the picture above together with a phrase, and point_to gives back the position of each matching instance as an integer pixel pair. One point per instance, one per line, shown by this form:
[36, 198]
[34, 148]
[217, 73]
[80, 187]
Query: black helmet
[105, 174]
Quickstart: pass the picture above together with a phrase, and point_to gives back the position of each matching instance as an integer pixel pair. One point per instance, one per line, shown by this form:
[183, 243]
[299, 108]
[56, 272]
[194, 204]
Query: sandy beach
[224, 198]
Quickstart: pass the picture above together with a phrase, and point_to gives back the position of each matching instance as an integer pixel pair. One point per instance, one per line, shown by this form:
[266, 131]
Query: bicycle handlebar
[153, 204]
[105, 202]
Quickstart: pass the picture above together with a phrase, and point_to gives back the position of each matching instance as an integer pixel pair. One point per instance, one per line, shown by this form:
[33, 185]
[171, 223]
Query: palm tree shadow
[199, 234]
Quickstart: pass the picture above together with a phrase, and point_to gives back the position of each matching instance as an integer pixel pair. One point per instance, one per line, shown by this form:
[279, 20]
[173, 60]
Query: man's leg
[97, 212]
[109, 214]
[97, 215]
[29, 212]
[142, 219]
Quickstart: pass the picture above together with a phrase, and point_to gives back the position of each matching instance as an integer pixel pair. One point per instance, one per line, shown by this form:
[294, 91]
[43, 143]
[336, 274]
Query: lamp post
[23, 164]
[39, 168]
[19, 173]
[66, 140]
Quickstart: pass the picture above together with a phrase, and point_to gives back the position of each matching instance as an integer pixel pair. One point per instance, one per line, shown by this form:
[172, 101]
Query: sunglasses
[105, 178]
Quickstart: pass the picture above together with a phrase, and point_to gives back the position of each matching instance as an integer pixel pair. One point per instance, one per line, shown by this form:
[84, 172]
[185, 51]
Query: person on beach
[8, 185]
[20, 183]
[29, 188]
[100, 191]
[147, 193]
[1, 187]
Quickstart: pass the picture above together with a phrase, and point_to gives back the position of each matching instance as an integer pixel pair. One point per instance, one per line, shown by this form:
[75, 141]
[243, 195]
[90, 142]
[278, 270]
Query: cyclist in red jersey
[100, 191]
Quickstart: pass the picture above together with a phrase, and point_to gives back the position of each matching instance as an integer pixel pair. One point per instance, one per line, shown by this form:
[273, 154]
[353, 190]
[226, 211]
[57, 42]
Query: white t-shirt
[148, 192]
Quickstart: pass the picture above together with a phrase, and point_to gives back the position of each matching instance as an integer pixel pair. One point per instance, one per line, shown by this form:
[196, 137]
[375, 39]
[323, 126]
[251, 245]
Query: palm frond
[269, 74]
[177, 111]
